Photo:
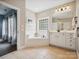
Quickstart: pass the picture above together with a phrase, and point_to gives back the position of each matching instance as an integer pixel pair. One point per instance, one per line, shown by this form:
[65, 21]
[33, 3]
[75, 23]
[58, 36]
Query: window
[12, 28]
[43, 24]
[3, 28]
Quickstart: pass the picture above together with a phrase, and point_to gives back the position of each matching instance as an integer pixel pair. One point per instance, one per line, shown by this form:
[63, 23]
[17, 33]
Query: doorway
[8, 29]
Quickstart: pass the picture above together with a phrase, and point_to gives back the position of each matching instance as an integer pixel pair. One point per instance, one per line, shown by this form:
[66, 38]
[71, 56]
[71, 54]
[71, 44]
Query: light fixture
[63, 9]
[68, 7]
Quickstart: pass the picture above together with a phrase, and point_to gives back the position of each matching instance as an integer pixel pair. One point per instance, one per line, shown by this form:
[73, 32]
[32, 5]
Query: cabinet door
[61, 40]
[78, 43]
[57, 39]
[70, 44]
[53, 38]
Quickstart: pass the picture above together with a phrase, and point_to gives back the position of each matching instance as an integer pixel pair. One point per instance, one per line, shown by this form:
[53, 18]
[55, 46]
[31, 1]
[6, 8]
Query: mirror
[62, 24]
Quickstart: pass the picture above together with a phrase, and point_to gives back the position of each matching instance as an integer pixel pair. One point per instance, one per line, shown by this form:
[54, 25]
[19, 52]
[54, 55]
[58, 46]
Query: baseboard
[62, 48]
[20, 48]
[77, 54]
[37, 46]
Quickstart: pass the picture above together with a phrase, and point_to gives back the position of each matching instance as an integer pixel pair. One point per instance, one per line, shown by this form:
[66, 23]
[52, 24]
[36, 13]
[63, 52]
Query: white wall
[40, 16]
[35, 42]
[30, 27]
[21, 22]
[31, 30]
[47, 14]
[51, 12]
[77, 10]
[42, 32]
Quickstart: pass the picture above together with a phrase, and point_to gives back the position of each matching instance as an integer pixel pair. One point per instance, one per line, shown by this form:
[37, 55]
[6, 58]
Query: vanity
[64, 39]
[63, 35]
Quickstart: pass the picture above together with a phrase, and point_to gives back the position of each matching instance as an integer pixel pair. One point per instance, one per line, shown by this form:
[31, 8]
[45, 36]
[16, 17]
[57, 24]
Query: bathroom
[41, 25]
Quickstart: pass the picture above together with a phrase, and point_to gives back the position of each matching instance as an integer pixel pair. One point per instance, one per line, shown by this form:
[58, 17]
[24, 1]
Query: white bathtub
[36, 42]
[34, 37]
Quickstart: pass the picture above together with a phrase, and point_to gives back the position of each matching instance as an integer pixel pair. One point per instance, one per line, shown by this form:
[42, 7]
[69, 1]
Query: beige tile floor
[41, 53]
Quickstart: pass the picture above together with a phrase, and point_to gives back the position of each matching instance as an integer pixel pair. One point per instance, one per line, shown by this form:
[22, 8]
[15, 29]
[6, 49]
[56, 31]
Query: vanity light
[57, 10]
[68, 7]
[63, 9]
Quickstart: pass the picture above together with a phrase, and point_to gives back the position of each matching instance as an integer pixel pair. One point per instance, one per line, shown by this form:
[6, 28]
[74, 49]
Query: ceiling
[4, 9]
[40, 5]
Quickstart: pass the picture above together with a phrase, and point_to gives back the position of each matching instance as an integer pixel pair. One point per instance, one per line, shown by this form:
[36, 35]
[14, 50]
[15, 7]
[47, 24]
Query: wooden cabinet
[62, 39]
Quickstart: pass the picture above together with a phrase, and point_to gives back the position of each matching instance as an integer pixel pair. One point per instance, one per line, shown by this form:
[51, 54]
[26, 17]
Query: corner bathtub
[36, 42]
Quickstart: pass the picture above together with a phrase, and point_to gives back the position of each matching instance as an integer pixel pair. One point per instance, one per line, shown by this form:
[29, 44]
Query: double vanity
[63, 39]
[64, 33]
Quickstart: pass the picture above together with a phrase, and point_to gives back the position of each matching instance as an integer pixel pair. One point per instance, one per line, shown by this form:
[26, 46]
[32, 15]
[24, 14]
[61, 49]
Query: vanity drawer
[71, 37]
[70, 43]
[71, 46]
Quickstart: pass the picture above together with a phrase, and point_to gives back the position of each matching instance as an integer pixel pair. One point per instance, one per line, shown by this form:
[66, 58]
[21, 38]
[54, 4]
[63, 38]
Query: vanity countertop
[71, 31]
